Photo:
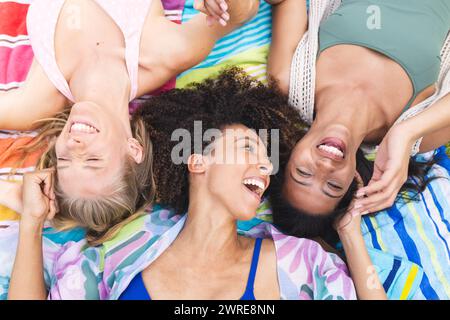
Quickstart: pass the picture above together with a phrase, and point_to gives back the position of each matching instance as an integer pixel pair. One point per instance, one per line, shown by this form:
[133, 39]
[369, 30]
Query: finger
[377, 186]
[52, 210]
[48, 183]
[377, 172]
[214, 10]
[200, 6]
[382, 206]
[377, 198]
[224, 6]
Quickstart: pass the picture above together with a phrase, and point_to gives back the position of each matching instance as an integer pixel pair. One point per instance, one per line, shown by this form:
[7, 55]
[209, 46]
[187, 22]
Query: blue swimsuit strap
[249, 294]
[136, 290]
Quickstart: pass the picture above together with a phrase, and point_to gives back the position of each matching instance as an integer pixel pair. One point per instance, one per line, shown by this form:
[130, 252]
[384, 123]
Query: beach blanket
[407, 243]
[246, 47]
[419, 231]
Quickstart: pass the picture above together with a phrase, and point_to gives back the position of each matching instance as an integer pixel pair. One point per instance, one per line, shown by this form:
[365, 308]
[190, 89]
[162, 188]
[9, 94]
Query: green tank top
[410, 32]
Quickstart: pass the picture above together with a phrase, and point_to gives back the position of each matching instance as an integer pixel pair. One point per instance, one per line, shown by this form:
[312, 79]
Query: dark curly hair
[228, 99]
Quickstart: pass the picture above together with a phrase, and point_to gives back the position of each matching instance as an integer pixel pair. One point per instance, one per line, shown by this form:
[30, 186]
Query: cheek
[58, 146]
[221, 179]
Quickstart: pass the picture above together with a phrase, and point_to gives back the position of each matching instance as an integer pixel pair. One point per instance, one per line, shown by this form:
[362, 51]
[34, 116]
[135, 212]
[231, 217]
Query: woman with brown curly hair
[218, 182]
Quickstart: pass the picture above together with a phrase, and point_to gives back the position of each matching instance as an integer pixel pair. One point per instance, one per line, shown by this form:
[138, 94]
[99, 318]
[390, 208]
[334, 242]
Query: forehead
[239, 132]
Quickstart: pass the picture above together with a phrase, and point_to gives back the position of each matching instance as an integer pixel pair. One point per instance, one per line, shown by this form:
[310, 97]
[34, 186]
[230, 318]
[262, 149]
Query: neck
[349, 107]
[209, 228]
[93, 85]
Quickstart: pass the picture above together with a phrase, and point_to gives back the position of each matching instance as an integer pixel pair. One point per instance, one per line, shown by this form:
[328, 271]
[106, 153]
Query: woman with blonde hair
[97, 56]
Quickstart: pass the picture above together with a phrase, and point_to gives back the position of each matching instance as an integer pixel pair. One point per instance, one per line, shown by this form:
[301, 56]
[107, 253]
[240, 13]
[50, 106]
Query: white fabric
[303, 68]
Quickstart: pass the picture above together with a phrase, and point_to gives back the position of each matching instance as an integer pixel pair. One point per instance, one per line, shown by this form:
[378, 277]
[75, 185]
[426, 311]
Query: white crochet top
[303, 69]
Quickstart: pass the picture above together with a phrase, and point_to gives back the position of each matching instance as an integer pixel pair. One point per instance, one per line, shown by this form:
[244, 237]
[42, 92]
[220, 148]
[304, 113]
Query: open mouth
[333, 147]
[256, 186]
[80, 127]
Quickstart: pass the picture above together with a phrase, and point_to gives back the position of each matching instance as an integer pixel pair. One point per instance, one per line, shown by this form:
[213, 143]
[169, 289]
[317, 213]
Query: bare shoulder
[266, 281]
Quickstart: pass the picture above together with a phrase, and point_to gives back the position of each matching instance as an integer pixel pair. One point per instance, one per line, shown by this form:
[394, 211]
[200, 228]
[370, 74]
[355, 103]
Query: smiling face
[91, 150]
[320, 170]
[238, 171]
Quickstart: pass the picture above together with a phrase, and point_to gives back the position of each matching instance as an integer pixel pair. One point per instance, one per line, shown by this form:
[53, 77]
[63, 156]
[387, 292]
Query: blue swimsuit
[137, 291]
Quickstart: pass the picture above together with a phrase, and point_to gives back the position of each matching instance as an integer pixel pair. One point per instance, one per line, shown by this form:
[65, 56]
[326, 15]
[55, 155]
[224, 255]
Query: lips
[255, 185]
[333, 148]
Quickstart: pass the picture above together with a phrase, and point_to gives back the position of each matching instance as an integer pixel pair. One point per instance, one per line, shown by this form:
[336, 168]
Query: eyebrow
[309, 184]
[246, 138]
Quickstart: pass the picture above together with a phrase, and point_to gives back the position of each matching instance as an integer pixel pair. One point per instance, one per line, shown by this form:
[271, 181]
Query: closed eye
[334, 186]
[303, 173]
[249, 148]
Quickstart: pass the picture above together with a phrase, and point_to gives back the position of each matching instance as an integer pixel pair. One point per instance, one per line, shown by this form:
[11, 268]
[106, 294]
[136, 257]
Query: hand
[350, 222]
[38, 197]
[390, 172]
[227, 11]
[215, 10]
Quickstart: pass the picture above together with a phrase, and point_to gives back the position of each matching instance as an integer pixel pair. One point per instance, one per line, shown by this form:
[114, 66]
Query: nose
[74, 143]
[265, 168]
[325, 164]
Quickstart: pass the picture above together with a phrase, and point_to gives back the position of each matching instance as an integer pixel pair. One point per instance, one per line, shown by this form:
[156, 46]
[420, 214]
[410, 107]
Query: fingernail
[365, 212]
[224, 6]
[226, 16]
[223, 22]
[360, 194]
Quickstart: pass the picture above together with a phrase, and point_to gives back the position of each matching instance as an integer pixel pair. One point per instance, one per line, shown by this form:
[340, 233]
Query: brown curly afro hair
[230, 98]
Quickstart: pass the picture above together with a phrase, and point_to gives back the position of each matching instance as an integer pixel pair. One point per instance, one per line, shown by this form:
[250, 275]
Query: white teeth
[81, 127]
[255, 182]
[332, 150]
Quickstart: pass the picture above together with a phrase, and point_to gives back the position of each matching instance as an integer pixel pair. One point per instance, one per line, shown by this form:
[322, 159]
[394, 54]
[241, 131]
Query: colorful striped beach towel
[419, 232]
[246, 47]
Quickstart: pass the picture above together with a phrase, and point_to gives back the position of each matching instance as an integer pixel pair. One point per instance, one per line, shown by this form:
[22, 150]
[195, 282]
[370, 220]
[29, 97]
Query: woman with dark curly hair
[219, 182]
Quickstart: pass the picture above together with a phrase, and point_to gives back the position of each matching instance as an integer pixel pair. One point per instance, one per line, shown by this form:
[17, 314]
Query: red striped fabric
[13, 18]
[14, 65]
[15, 55]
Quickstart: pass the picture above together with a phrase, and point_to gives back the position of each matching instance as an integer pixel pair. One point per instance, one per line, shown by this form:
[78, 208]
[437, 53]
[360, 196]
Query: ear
[196, 163]
[135, 150]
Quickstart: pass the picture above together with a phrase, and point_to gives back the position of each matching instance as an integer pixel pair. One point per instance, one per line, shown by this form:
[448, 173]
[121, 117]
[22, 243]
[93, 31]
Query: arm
[363, 273]
[173, 48]
[27, 278]
[289, 25]
[393, 155]
[433, 124]
[36, 99]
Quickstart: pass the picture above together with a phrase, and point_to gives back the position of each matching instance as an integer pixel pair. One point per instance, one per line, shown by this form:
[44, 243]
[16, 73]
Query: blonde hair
[104, 216]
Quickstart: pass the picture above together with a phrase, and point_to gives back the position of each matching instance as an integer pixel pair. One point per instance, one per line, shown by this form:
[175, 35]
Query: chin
[246, 214]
